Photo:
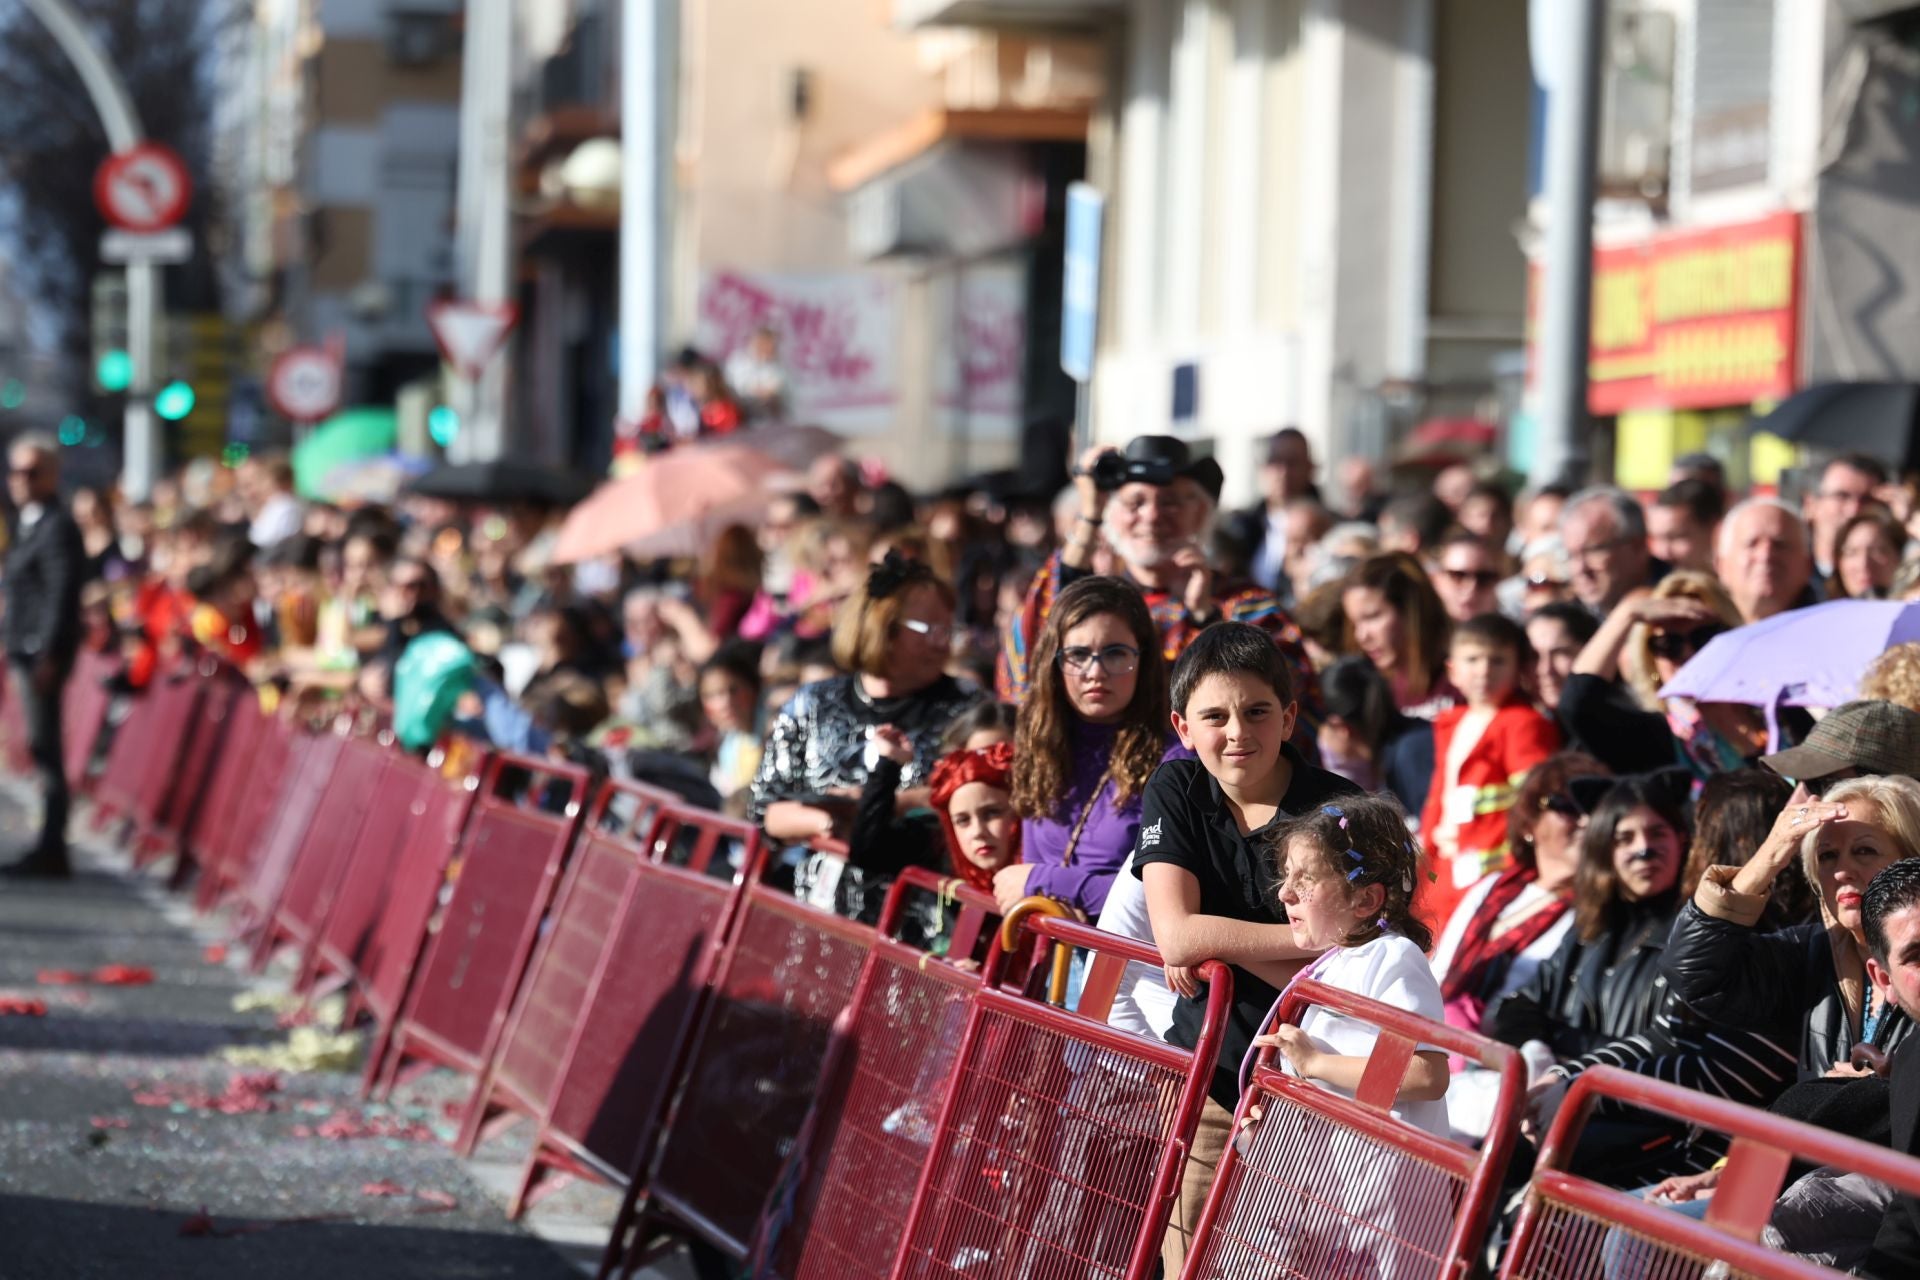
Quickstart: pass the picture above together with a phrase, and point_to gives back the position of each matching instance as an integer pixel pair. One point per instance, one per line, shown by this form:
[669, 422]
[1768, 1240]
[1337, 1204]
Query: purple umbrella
[1803, 658]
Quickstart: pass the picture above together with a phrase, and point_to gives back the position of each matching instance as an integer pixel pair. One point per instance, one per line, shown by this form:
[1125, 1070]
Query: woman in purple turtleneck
[1092, 729]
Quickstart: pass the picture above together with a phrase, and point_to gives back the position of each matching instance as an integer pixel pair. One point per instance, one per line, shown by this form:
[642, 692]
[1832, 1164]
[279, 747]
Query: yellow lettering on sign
[1619, 308]
[1723, 280]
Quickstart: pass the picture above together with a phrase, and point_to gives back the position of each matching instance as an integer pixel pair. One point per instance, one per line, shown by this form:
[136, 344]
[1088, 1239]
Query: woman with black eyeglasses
[1093, 727]
[1611, 704]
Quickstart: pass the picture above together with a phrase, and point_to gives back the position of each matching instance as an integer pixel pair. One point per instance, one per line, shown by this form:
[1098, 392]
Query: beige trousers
[1203, 1161]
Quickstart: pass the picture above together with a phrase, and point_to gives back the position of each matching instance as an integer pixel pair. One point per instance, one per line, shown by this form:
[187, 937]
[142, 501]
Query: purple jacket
[1105, 841]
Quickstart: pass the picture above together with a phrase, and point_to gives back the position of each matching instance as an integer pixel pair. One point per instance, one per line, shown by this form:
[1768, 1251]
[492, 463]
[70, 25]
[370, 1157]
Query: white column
[483, 232]
[1411, 232]
[1186, 176]
[646, 142]
[1137, 267]
[1322, 52]
[1244, 170]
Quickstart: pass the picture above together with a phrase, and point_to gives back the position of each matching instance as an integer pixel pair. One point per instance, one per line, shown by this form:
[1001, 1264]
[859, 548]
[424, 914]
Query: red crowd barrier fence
[312, 879]
[244, 784]
[605, 1016]
[841, 1204]
[315, 758]
[208, 734]
[509, 861]
[751, 1074]
[83, 714]
[1572, 1228]
[1061, 1143]
[1320, 1184]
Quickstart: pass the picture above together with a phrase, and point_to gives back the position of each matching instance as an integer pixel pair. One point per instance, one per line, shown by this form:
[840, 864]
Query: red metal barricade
[1572, 1227]
[145, 753]
[221, 690]
[83, 714]
[1320, 1184]
[1059, 1150]
[325, 848]
[751, 1074]
[270, 860]
[239, 800]
[509, 862]
[842, 1203]
[380, 926]
[604, 1017]
[413, 819]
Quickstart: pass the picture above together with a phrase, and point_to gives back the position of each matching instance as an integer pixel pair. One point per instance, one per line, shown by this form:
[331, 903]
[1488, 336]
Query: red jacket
[1463, 829]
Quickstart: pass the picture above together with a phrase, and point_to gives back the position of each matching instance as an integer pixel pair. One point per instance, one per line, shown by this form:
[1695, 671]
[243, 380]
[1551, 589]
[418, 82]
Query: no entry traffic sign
[144, 188]
[304, 384]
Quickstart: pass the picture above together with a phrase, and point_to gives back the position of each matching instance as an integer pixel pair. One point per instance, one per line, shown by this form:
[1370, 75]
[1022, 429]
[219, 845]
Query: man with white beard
[1153, 504]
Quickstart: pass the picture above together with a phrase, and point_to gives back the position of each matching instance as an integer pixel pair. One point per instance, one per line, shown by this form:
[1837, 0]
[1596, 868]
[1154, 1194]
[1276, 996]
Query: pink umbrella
[673, 505]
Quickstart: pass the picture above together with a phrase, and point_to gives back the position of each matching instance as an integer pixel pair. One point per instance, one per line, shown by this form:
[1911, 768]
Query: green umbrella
[346, 437]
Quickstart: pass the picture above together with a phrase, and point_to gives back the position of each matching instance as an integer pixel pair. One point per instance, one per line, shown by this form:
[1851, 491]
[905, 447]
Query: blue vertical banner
[1080, 286]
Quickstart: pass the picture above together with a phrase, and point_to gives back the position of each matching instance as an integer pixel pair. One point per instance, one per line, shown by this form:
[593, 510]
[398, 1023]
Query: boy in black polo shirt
[1212, 890]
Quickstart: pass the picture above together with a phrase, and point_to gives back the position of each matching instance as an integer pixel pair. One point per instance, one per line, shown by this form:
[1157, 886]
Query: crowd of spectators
[1414, 743]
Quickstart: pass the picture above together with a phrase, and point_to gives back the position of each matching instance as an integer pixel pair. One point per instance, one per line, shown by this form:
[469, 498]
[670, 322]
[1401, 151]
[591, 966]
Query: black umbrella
[504, 480]
[1877, 418]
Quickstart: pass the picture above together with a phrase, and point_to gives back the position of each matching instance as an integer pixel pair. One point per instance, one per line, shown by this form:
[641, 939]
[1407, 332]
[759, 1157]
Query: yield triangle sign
[471, 334]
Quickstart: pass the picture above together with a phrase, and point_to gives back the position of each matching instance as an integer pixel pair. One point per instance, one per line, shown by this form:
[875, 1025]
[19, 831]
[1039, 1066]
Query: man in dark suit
[1890, 917]
[46, 562]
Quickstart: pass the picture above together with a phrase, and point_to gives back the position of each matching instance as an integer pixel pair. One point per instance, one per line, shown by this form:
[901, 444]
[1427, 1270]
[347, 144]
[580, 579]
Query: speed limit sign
[304, 384]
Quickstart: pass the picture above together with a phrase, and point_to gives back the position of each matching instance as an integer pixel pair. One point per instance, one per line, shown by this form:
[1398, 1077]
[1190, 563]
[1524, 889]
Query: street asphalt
[130, 1148]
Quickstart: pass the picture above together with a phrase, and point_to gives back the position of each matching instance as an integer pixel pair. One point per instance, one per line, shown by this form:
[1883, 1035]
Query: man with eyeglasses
[1152, 503]
[1854, 740]
[46, 563]
[1846, 486]
[1605, 534]
[1466, 577]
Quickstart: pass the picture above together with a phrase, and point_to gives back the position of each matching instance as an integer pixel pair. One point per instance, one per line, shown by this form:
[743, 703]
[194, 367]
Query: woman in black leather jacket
[1601, 998]
[1805, 985]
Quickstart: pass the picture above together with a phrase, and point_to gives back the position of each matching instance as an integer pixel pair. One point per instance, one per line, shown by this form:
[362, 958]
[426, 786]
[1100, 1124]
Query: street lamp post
[140, 465]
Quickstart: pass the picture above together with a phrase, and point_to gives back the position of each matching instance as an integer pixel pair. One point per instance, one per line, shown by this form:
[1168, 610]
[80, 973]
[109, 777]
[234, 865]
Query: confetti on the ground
[22, 1007]
[59, 978]
[216, 953]
[345, 1126]
[111, 1122]
[306, 1049]
[122, 975]
[246, 1094]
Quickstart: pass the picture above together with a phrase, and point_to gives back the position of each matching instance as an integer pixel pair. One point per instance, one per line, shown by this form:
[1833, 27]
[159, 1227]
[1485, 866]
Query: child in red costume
[1482, 752]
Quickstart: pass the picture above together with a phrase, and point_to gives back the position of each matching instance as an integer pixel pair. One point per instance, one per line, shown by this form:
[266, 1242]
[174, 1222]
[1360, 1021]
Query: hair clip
[1406, 882]
[1356, 855]
[1356, 873]
[1382, 922]
[1334, 811]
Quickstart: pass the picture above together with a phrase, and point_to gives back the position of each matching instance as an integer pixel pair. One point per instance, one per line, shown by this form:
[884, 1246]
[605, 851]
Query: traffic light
[443, 424]
[114, 371]
[73, 429]
[173, 401]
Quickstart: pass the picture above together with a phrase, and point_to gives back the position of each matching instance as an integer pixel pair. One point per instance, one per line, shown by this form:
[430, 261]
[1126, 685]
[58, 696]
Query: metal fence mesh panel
[875, 1126]
[757, 1066]
[1571, 1245]
[1046, 1168]
[1313, 1199]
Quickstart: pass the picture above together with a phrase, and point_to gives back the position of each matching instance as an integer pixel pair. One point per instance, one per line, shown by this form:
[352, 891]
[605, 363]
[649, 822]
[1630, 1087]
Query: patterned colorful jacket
[1236, 603]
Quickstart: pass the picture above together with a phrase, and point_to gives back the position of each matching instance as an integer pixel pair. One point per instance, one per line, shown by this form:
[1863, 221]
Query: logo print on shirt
[1151, 835]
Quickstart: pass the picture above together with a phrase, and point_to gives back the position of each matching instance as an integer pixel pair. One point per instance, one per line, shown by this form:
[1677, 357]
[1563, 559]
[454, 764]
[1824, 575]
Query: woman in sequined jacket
[894, 635]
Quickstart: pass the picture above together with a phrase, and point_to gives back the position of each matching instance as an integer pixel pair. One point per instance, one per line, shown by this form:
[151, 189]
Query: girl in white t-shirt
[1347, 882]
[1347, 879]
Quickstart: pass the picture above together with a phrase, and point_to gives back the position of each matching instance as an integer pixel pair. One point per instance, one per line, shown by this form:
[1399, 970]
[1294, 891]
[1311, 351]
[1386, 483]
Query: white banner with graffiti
[839, 340]
[980, 348]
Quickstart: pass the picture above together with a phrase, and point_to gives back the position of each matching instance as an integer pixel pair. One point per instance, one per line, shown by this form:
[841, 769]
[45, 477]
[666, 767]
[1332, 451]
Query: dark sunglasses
[1479, 577]
[1674, 645]
[1564, 805]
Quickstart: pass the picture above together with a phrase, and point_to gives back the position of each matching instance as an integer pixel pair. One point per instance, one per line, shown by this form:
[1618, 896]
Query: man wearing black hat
[1152, 502]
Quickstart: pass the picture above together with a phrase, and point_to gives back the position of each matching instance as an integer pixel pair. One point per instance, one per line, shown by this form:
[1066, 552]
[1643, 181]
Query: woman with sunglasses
[1507, 925]
[893, 634]
[1611, 704]
[1093, 728]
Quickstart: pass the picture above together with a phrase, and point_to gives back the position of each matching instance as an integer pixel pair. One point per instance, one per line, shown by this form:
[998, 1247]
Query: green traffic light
[114, 372]
[73, 430]
[173, 401]
[443, 424]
